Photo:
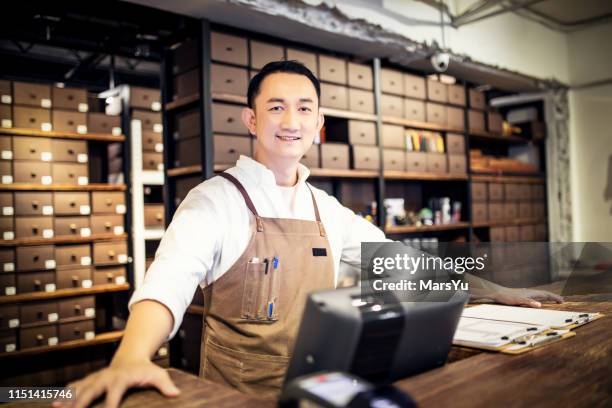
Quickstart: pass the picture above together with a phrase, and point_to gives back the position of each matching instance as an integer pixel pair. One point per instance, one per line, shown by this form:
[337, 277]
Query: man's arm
[147, 328]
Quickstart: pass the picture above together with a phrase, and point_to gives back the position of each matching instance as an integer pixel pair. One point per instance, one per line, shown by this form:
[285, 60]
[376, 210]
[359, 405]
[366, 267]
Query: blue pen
[270, 309]
[275, 262]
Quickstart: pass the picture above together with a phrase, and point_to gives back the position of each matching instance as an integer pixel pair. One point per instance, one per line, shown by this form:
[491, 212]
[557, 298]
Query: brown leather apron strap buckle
[259, 223]
[245, 195]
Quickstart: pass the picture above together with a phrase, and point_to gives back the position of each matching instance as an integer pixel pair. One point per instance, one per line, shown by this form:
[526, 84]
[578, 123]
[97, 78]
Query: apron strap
[246, 197]
[317, 216]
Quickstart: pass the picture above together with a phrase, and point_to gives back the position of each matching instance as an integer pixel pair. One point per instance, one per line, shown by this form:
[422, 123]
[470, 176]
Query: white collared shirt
[211, 229]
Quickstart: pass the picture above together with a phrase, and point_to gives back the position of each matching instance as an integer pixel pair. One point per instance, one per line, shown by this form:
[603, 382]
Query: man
[247, 237]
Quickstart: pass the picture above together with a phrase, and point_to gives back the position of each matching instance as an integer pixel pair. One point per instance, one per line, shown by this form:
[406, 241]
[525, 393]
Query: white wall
[591, 134]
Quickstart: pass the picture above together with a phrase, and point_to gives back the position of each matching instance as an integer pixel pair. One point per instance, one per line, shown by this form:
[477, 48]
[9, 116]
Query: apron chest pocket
[261, 292]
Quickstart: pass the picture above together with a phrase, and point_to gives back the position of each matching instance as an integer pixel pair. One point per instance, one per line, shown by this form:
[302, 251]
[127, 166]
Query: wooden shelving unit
[420, 125]
[407, 175]
[102, 338]
[103, 137]
[519, 221]
[405, 229]
[314, 172]
[496, 137]
[63, 293]
[179, 103]
[222, 97]
[184, 171]
[63, 240]
[62, 187]
[508, 179]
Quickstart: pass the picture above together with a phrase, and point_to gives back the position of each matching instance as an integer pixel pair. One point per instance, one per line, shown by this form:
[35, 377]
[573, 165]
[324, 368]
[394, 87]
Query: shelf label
[8, 235]
[45, 103]
[160, 167]
[82, 158]
[47, 210]
[120, 209]
[46, 180]
[83, 180]
[85, 232]
[7, 155]
[9, 290]
[9, 267]
[90, 312]
[118, 229]
[159, 147]
[90, 335]
[52, 341]
[52, 317]
[13, 323]
[6, 99]
[7, 179]
[122, 258]
[120, 280]
[157, 127]
[50, 287]
[86, 260]
[47, 233]
[83, 107]
[46, 156]
[7, 210]
[156, 106]
[7, 123]
[81, 129]
[84, 210]
[47, 127]
[9, 348]
[116, 131]
[50, 264]
[86, 283]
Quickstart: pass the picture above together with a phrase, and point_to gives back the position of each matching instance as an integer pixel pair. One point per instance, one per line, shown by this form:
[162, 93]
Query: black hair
[293, 67]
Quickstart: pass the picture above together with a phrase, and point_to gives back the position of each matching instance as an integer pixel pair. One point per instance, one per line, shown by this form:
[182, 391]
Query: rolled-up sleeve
[184, 258]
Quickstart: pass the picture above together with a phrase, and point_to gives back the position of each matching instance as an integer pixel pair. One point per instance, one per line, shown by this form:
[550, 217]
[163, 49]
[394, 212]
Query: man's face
[286, 117]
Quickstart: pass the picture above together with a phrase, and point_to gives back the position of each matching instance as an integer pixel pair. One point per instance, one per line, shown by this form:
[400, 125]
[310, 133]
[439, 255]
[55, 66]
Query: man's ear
[320, 121]
[248, 118]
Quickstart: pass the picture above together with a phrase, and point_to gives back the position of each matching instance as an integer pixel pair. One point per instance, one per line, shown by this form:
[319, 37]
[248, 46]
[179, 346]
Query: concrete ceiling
[327, 28]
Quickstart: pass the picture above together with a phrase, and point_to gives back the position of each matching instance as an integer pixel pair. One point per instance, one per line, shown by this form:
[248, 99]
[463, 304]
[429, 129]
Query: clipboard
[516, 330]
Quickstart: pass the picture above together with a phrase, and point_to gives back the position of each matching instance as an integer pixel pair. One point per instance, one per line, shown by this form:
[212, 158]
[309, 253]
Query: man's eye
[276, 108]
[305, 109]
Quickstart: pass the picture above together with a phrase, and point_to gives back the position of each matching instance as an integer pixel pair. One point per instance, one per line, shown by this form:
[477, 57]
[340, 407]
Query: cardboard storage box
[437, 91]
[332, 69]
[307, 58]
[6, 116]
[145, 98]
[102, 123]
[414, 86]
[76, 308]
[392, 81]
[108, 202]
[366, 157]
[110, 253]
[334, 96]
[334, 156]
[107, 224]
[154, 215]
[436, 163]
[393, 159]
[38, 312]
[71, 203]
[414, 110]
[108, 275]
[186, 84]
[228, 119]
[34, 227]
[228, 48]
[229, 148]
[77, 226]
[416, 161]
[311, 158]
[73, 255]
[361, 101]
[70, 151]
[152, 161]
[32, 118]
[361, 132]
[74, 99]
[33, 203]
[80, 330]
[39, 336]
[477, 99]
[360, 76]
[229, 80]
[151, 121]
[392, 106]
[36, 282]
[34, 258]
[262, 53]
[70, 174]
[479, 191]
[456, 95]
[38, 95]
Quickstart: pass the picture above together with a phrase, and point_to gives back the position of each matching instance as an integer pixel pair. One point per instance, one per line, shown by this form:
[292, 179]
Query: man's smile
[288, 138]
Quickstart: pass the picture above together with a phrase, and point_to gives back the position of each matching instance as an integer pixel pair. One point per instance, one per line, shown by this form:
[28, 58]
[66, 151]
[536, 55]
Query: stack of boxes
[146, 107]
[501, 203]
[36, 210]
[40, 324]
[482, 119]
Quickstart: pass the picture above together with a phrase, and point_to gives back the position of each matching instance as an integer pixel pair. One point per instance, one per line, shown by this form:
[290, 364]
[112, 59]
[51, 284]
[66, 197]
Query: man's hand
[116, 379]
[523, 297]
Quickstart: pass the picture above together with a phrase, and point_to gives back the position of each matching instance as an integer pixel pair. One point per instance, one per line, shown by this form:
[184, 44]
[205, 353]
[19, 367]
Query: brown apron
[252, 312]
